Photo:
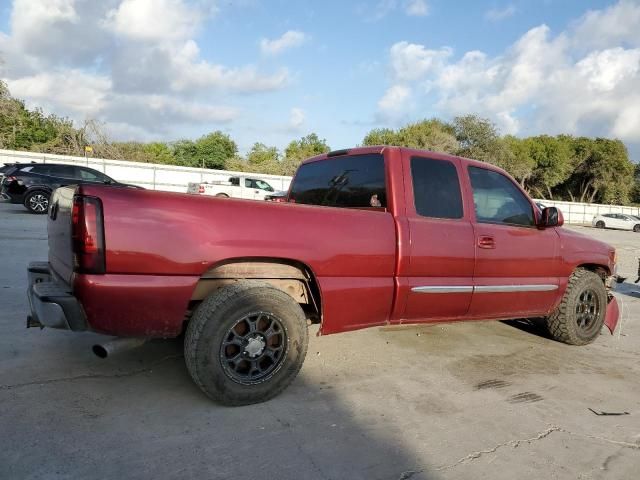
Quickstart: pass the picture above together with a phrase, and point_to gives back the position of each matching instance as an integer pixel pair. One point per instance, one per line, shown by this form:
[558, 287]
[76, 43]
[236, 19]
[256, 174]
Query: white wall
[175, 179]
[574, 212]
[149, 175]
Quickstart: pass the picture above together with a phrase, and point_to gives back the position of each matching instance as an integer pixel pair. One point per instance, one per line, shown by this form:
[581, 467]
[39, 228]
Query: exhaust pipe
[106, 349]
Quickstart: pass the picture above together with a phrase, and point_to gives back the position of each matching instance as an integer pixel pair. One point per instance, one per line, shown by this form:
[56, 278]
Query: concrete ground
[483, 400]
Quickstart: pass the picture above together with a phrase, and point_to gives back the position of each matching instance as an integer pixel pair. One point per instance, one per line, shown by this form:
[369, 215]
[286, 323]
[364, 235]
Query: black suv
[32, 184]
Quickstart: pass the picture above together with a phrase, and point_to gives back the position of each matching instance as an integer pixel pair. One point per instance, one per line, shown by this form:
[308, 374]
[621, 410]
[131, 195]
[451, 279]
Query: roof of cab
[382, 148]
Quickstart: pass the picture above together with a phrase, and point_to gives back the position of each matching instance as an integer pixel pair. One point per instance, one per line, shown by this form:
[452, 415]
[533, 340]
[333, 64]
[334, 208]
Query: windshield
[264, 186]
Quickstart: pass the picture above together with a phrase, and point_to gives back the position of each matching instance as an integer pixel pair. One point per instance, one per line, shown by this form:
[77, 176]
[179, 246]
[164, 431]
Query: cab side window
[498, 200]
[436, 188]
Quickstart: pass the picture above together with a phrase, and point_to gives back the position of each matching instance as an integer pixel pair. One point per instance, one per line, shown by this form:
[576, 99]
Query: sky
[271, 71]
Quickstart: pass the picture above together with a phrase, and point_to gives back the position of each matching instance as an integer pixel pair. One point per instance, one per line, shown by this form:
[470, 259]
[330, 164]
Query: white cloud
[289, 39]
[133, 64]
[543, 83]
[410, 61]
[382, 8]
[394, 102]
[76, 92]
[154, 20]
[605, 70]
[609, 27]
[497, 14]
[296, 118]
[416, 8]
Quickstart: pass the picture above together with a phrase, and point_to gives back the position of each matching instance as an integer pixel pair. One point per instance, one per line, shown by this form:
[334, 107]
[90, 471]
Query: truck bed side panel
[150, 234]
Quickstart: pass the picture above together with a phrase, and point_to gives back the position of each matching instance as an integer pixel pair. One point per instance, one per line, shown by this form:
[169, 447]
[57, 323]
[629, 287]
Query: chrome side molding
[484, 288]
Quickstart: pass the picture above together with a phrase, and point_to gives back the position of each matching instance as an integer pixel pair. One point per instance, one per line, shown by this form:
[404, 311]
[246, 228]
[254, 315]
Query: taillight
[10, 179]
[200, 189]
[87, 233]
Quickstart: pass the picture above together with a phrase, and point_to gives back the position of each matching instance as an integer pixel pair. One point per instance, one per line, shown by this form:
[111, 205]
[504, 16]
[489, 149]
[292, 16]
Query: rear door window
[354, 181]
[436, 188]
[498, 200]
[64, 171]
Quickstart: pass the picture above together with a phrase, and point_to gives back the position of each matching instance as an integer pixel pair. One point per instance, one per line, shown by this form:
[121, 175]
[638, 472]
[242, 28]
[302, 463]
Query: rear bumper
[51, 302]
[13, 197]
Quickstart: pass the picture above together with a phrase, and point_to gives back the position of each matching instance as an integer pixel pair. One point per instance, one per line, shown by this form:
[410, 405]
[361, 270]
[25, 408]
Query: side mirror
[551, 217]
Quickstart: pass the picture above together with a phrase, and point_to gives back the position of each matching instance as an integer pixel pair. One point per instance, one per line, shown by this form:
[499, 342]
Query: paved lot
[484, 400]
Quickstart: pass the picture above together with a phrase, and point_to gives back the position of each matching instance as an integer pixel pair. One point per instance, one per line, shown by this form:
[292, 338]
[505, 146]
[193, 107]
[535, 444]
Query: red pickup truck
[368, 236]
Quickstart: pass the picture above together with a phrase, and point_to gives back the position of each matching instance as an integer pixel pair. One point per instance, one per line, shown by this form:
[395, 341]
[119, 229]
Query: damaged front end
[612, 314]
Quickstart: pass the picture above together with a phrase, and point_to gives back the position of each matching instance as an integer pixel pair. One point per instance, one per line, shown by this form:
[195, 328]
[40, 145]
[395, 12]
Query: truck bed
[159, 244]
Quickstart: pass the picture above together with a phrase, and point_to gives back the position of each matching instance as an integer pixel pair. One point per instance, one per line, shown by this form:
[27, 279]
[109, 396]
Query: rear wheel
[246, 343]
[599, 224]
[37, 202]
[222, 195]
[580, 315]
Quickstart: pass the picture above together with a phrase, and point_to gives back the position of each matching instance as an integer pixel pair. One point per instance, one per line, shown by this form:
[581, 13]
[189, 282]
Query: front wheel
[599, 224]
[636, 228]
[246, 343]
[37, 202]
[580, 315]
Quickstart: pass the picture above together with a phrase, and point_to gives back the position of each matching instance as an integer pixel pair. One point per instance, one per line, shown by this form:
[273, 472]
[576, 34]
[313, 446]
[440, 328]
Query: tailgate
[59, 232]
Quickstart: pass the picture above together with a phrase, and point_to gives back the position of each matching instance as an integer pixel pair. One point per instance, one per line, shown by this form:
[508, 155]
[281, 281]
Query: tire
[580, 315]
[229, 352]
[636, 228]
[222, 195]
[37, 202]
[600, 224]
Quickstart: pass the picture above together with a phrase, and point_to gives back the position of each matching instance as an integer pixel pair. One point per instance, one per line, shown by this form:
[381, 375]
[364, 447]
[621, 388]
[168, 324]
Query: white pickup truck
[235, 187]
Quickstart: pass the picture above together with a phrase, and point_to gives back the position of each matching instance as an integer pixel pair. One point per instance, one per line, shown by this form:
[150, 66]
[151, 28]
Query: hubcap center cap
[255, 346]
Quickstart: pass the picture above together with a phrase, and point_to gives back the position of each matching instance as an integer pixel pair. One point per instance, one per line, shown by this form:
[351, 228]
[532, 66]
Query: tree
[264, 159]
[214, 149]
[159, 152]
[478, 138]
[553, 163]
[635, 192]
[185, 153]
[299, 150]
[431, 134]
[381, 136]
[209, 151]
[517, 161]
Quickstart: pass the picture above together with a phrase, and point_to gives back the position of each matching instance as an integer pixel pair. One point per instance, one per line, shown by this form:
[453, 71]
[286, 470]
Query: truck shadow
[534, 326]
[139, 415]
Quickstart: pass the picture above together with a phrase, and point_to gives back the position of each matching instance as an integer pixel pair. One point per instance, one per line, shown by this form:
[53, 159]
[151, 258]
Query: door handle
[486, 241]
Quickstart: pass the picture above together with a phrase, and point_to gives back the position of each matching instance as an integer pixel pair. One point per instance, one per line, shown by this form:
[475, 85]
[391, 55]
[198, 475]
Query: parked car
[276, 197]
[372, 236]
[32, 184]
[236, 187]
[11, 167]
[617, 220]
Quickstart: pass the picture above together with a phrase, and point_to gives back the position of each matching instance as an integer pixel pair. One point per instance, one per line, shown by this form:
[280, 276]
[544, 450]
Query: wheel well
[601, 270]
[292, 277]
